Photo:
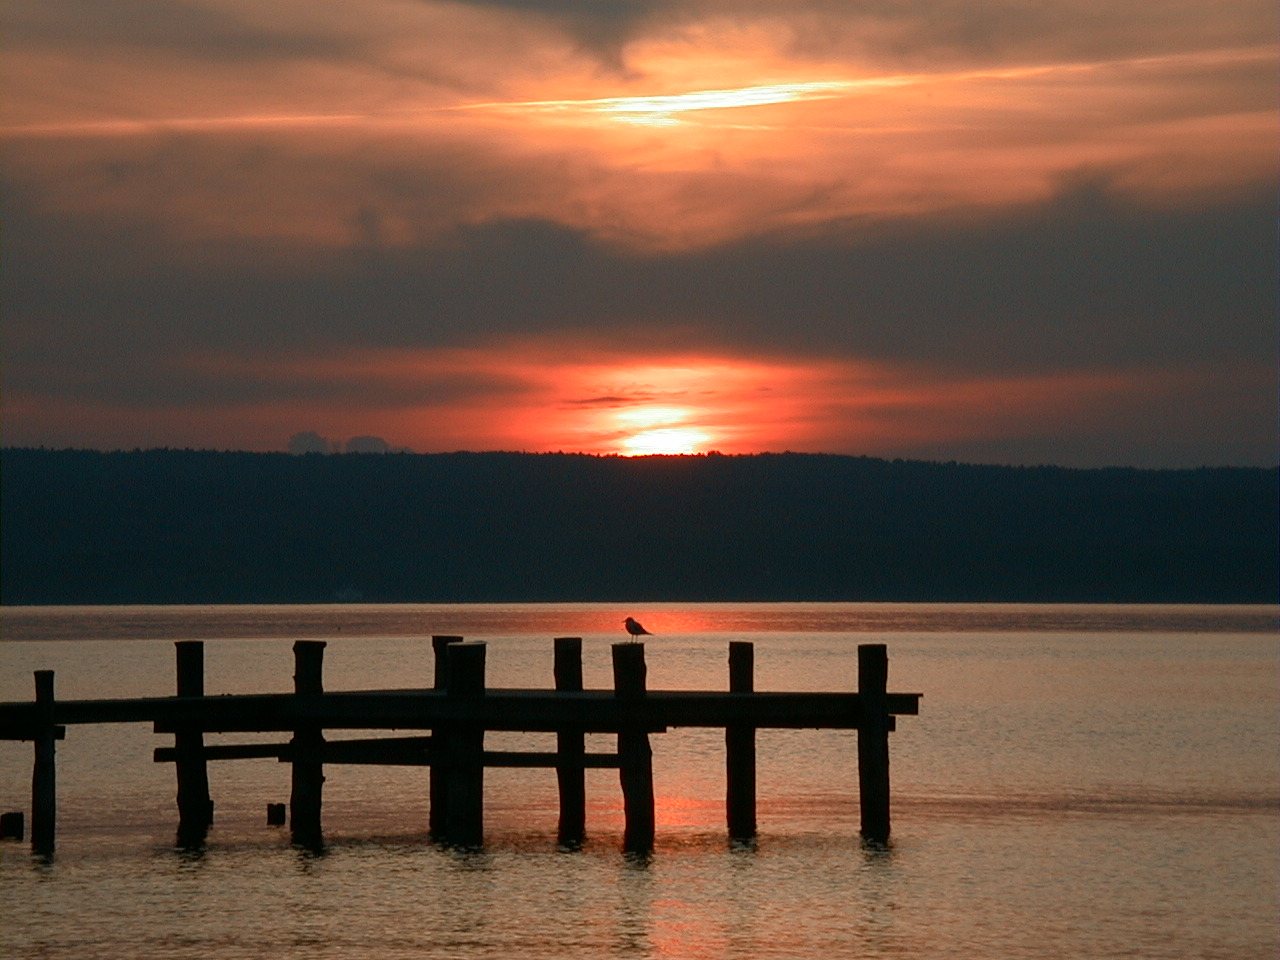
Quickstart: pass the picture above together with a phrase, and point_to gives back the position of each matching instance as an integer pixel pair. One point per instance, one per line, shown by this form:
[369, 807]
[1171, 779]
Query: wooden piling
[440, 648]
[873, 742]
[438, 795]
[13, 825]
[635, 757]
[740, 749]
[571, 748]
[195, 808]
[305, 799]
[44, 779]
[464, 775]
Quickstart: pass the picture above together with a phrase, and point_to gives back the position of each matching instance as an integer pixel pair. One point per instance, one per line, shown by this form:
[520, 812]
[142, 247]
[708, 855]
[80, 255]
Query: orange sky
[666, 228]
[536, 398]
[698, 142]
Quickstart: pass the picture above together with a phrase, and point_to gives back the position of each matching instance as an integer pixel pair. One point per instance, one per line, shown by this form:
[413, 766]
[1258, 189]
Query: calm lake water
[1081, 782]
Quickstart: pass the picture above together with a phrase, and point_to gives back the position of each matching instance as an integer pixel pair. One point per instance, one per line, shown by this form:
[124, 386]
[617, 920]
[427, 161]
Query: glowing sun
[666, 440]
[654, 428]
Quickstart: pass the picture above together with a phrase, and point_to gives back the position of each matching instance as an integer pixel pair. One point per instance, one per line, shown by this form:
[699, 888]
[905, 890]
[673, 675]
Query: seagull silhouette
[635, 628]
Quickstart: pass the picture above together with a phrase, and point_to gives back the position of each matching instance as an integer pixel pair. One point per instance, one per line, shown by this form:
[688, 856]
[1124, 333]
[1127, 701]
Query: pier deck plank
[597, 711]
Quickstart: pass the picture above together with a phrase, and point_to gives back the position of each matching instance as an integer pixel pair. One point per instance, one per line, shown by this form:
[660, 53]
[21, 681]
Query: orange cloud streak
[725, 135]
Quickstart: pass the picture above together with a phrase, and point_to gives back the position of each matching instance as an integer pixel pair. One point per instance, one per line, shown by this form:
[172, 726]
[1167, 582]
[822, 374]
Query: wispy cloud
[236, 219]
[664, 109]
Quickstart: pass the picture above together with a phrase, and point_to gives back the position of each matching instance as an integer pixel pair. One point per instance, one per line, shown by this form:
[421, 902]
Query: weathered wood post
[635, 757]
[873, 741]
[740, 749]
[571, 747]
[440, 650]
[464, 778]
[437, 794]
[307, 746]
[44, 779]
[195, 809]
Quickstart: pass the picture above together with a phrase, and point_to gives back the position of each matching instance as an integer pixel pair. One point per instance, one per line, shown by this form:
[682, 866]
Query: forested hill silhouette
[181, 526]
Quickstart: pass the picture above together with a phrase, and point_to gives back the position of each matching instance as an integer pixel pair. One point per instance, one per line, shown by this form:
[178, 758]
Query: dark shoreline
[182, 526]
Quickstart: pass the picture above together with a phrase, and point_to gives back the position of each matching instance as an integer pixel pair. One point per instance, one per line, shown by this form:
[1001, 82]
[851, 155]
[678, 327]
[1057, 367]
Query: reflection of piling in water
[458, 711]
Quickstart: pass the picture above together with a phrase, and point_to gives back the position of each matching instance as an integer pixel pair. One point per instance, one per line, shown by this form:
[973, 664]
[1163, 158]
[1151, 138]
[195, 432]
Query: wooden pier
[454, 717]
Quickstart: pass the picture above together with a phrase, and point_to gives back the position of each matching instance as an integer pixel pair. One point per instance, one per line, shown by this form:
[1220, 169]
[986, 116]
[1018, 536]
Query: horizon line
[404, 451]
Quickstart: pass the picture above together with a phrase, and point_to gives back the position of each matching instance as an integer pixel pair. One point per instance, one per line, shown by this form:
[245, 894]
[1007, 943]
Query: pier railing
[457, 712]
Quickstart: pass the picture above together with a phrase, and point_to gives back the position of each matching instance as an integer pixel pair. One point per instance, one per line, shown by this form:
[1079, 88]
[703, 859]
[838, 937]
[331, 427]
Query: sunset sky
[999, 231]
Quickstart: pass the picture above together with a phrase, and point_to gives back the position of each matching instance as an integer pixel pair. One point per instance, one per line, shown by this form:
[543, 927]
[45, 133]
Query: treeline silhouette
[184, 526]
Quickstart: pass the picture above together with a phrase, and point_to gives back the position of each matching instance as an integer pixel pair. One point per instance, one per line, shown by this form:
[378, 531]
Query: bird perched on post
[635, 628]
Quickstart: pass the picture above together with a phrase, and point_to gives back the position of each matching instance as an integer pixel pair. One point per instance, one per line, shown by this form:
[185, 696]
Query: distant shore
[180, 526]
